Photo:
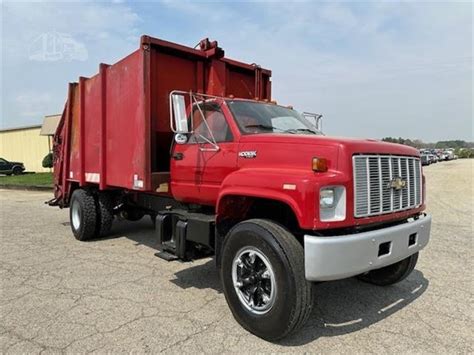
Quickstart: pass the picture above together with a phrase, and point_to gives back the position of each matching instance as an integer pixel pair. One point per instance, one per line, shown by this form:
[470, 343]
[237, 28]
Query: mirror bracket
[179, 120]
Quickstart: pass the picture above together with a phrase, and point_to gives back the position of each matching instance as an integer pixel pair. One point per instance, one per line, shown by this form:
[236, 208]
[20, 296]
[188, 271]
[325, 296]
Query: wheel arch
[15, 166]
[235, 207]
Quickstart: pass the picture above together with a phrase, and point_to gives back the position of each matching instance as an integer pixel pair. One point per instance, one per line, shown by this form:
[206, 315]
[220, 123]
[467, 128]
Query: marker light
[320, 165]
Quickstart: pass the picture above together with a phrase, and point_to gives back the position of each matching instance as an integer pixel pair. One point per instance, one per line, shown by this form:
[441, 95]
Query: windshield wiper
[295, 130]
[265, 127]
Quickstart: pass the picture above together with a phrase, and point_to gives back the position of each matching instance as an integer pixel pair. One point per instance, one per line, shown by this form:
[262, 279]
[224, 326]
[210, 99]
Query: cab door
[199, 166]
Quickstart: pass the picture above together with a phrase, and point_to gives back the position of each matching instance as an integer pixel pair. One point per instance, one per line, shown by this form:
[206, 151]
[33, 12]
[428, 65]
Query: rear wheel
[105, 214]
[83, 215]
[263, 279]
[391, 274]
[17, 170]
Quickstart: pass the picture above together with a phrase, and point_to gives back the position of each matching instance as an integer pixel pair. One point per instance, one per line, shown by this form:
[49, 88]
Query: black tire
[83, 215]
[17, 170]
[391, 274]
[105, 216]
[294, 299]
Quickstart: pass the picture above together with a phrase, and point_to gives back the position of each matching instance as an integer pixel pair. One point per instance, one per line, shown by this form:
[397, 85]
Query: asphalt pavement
[113, 295]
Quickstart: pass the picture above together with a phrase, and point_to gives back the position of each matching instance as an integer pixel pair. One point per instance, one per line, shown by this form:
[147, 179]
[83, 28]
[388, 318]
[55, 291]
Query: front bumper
[339, 257]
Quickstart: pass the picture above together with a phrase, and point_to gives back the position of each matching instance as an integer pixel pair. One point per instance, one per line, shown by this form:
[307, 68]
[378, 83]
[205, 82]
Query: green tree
[417, 143]
[464, 153]
[48, 161]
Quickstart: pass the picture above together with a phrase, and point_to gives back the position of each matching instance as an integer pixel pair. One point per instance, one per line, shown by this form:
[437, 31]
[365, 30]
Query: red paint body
[115, 133]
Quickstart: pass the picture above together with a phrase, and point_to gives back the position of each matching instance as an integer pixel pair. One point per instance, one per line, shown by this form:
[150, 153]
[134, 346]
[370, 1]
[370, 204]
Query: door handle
[178, 156]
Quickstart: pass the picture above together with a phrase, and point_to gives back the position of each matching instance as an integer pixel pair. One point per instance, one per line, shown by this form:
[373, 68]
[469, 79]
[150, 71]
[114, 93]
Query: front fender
[293, 187]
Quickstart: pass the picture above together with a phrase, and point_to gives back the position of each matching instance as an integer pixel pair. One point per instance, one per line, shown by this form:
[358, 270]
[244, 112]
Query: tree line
[461, 148]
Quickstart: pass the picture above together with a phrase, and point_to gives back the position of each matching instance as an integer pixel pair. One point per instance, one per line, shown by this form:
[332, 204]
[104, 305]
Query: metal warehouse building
[29, 144]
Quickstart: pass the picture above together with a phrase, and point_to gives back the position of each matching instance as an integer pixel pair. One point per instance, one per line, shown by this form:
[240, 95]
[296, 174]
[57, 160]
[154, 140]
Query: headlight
[326, 198]
[332, 203]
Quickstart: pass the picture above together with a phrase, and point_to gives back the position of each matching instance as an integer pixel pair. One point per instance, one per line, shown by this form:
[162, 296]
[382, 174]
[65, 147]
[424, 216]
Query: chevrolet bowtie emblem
[397, 183]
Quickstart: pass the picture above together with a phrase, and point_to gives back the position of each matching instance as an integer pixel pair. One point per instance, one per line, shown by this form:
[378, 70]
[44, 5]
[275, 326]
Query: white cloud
[33, 103]
[372, 69]
[91, 33]
[89, 21]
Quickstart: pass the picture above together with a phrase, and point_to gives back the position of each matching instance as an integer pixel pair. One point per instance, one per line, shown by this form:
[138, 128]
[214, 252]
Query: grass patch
[37, 179]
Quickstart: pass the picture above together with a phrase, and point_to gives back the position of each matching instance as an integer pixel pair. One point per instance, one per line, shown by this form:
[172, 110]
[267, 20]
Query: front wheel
[263, 279]
[391, 274]
[105, 217]
[17, 170]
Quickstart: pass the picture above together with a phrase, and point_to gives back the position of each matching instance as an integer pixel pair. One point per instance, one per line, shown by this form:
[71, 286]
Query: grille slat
[418, 187]
[373, 174]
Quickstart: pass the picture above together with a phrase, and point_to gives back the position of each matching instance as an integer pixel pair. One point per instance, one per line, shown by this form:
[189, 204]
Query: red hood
[287, 159]
[349, 145]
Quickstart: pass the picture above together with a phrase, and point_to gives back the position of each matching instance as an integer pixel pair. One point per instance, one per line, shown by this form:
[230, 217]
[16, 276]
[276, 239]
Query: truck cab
[231, 149]
[217, 144]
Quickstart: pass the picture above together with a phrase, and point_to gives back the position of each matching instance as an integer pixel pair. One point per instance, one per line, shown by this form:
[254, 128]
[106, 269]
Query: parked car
[433, 158]
[425, 159]
[11, 167]
[449, 154]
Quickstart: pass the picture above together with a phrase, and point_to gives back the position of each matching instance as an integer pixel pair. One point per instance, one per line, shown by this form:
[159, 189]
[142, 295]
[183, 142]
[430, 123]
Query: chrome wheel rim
[76, 215]
[254, 280]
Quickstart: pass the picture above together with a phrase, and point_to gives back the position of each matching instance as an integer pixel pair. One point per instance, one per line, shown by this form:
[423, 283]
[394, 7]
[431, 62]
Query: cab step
[184, 235]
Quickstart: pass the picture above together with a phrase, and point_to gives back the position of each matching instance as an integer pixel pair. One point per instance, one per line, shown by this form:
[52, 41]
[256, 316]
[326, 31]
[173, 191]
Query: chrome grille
[372, 177]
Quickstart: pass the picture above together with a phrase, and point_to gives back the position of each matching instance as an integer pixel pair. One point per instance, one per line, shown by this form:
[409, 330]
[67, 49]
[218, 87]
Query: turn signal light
[320, 165]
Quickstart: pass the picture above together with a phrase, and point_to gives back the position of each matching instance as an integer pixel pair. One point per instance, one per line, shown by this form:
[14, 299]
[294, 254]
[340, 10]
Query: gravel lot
[114, 295]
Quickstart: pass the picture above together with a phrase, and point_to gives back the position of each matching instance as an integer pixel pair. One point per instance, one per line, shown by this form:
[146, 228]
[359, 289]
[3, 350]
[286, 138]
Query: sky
[373, 69]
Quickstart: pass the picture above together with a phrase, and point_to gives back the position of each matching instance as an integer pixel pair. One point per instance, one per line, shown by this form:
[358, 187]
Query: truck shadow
[340, 307]
[141, 232]
[346, 306]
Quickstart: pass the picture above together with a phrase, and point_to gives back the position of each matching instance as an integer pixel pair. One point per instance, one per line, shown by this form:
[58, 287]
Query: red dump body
[115, 128]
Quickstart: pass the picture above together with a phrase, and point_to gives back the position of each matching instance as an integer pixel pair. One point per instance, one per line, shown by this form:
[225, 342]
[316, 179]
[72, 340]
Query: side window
[216, 121]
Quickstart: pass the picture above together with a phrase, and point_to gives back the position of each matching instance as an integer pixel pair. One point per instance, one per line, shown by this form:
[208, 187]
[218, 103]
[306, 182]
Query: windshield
[256, 117]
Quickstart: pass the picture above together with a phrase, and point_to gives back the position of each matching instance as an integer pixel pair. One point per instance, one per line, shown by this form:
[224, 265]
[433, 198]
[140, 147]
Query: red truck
[193, 139]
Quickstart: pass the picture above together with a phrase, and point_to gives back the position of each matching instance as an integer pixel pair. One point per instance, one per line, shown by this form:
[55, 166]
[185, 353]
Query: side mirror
[317, 119]
[319, 123]
[179, 114]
